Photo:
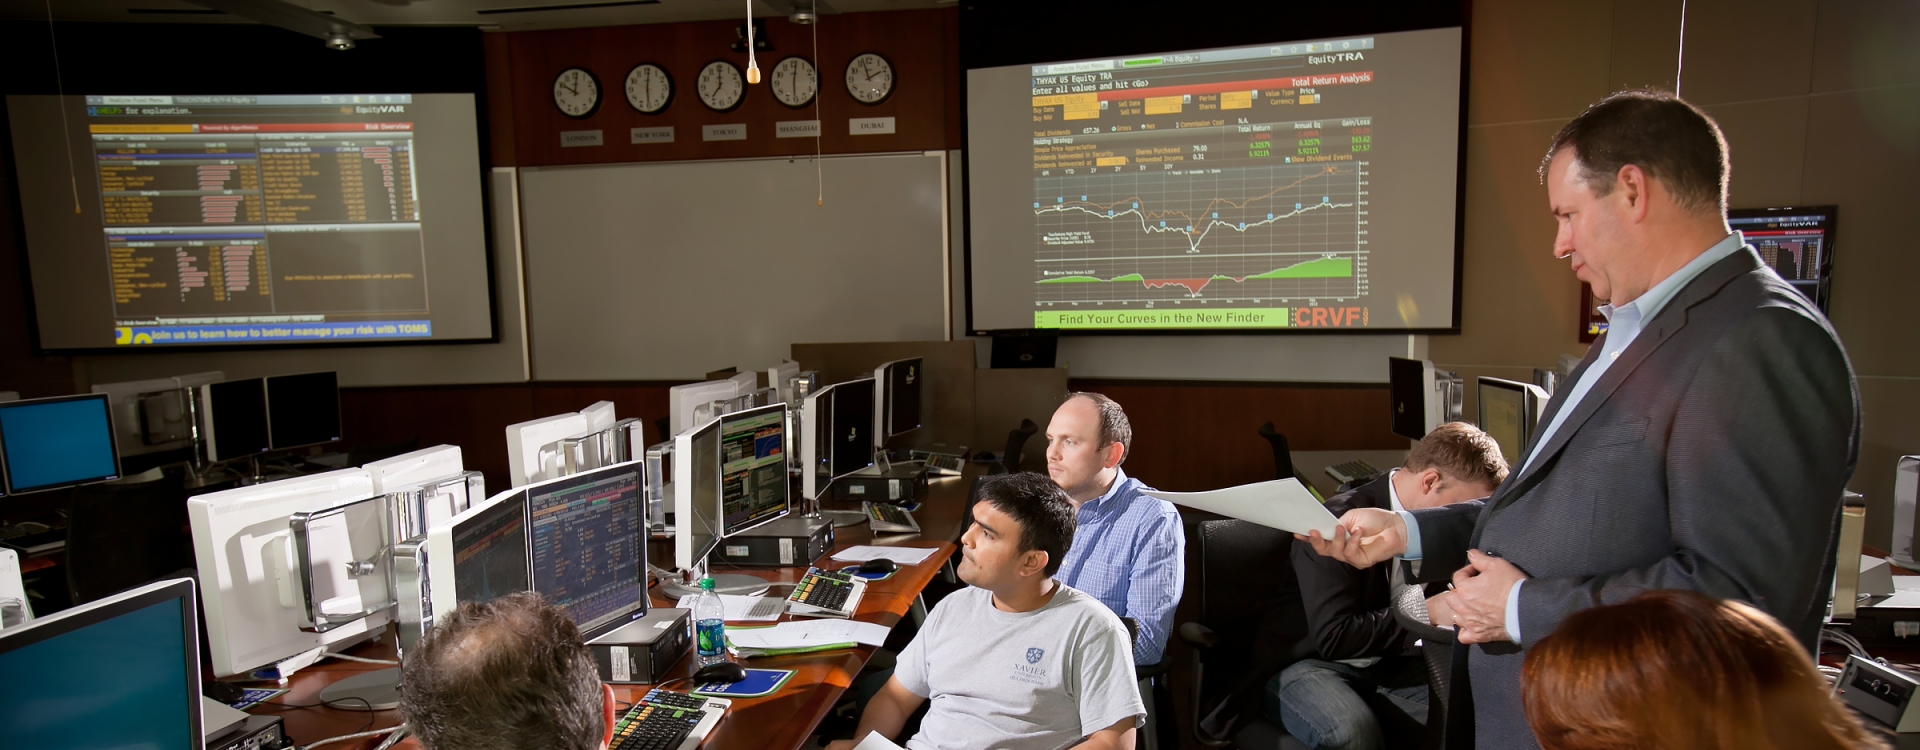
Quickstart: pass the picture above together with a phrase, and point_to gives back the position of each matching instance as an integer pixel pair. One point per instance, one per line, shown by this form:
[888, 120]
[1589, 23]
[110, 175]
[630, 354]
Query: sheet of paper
[735, 607]
[873, 741]
[901, 555]
[803, 634]
[1282, 504]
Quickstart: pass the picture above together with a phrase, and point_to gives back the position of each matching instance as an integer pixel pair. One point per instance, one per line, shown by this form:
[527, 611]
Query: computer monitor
[780, 378]
[838, 439]
[302, 410]
[233, 419]
[1510, 414]
[243, 547]
[1421, 398]
[697, 515]
[1796, 242]
[600, 416]
[753, 468]
[589, 545]
[123, 671]
[896, 406]
[533, 447]
[48, 443]
[480, 555]
[684, 401]
[1906, 503]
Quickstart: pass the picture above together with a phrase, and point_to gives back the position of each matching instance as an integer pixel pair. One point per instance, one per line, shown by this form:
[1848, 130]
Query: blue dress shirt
[1129, 551]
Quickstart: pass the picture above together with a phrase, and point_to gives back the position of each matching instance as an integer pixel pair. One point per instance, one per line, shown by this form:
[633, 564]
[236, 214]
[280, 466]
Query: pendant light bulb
[753, 72]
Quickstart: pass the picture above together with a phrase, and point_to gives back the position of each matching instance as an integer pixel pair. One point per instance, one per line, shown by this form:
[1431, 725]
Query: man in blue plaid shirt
[1129, 550]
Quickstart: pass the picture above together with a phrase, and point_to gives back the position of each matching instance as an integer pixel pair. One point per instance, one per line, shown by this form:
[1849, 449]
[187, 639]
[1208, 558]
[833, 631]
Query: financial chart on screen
[586, 545]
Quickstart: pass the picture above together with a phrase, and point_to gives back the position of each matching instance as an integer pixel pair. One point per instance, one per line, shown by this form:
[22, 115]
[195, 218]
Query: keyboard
[942, 464]
[665, 720]
[889, 517]
[827, 593]
[1355, 472]
[767, 606]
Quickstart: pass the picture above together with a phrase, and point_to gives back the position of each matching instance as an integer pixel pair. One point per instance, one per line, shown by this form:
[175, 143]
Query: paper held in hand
[1284, 504]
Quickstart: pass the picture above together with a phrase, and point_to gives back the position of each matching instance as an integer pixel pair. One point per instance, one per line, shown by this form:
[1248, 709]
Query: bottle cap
[706, 584]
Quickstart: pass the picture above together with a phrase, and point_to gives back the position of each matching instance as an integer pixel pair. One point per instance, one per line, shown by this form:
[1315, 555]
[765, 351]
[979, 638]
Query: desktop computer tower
[643, 650]
[790, 541]
[898, 484]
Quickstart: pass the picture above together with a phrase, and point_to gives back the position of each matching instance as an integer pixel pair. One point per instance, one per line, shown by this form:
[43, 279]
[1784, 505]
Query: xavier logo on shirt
[1034, 654]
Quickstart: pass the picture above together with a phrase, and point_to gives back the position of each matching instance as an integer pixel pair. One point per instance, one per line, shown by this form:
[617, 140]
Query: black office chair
[1160, 730]
[1016, 443]
[1252, 625]
[123, 535]
[1282, 458]
[1436, 646]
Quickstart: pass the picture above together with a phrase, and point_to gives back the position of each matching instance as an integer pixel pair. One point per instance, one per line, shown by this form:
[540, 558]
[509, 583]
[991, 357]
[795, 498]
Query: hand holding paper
[1363, 537]
[1283, 504]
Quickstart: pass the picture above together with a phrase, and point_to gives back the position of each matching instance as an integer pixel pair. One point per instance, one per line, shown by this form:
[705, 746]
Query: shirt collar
[1119, 479]
[1656, 298]
[1393, 495]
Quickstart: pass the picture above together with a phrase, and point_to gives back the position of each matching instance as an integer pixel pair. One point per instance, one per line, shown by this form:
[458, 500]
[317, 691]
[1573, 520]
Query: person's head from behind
[1021, 529]
[510, 674]
[1678, 669]
[1087, 438]
[1632, 166]
[1454, 463]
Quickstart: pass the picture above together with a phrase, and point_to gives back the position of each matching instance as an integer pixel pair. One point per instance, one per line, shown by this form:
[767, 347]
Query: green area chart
[1320, 268]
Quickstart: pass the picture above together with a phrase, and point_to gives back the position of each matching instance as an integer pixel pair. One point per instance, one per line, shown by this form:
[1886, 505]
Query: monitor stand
[731, 584]
[379, 690]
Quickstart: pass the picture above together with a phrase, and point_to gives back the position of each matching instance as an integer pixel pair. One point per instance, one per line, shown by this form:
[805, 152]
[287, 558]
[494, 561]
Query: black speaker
[1018, 349]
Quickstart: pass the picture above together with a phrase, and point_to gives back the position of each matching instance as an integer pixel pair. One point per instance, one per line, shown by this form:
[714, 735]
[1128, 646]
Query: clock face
[870, 78]
[576, 92]
[649, 88]
[794, 82]
[720, 86]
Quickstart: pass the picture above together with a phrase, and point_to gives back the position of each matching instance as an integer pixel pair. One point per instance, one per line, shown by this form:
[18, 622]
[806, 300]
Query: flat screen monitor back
[127, 422]
[302, 410]
[754, 488]
[852, 443]
[1410, 385]
[696, 494]
[899, 406]
[123, 671]
[235, 416]
[588, 548]
[57, 442]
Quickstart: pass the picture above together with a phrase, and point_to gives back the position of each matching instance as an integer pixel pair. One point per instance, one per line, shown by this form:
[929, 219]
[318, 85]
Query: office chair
[1160, 730]
[1016, 442]
[1252, 625]
[1282, 458]
[1436, 647]
[123, 535]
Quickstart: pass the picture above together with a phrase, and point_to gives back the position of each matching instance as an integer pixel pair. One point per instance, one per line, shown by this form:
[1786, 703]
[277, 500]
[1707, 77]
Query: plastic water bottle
[709, 625]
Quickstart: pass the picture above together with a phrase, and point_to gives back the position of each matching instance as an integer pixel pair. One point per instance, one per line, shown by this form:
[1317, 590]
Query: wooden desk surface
[782, 720]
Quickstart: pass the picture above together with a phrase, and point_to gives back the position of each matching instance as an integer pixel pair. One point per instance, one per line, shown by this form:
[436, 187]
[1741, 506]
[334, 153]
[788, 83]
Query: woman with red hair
[1678, 669]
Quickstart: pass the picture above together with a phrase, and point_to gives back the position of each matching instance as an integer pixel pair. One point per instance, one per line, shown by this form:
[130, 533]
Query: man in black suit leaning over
[1366, 681]
[1702, 444]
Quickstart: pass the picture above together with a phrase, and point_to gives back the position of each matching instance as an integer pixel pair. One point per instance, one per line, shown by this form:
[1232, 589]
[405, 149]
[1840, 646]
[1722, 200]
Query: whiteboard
[668, 270]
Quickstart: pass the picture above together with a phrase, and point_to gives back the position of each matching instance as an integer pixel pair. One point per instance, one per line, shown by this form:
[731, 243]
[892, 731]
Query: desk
[782, 720]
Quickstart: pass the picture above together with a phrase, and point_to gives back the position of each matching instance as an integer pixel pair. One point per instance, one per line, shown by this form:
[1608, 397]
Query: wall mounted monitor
[588, 545]
[233, 419]
[1509, 412]
[480, 555]
[253, 219]
[147, 639]
[49, 443]
[697, 516]
[1126, 182]
[838, 437]
[897, 405]
[243, 546]
[303, 409]
[754, 487]
[1796, 242]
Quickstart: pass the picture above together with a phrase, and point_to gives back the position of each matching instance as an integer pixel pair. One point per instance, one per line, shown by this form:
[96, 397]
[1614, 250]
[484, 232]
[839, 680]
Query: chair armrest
[1156, 669]
[1198, 636]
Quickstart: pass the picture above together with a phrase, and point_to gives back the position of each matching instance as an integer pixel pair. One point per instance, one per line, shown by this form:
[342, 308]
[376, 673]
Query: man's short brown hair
[510, 673]
[1461, 452]
[1672, 141]
[1114, 427]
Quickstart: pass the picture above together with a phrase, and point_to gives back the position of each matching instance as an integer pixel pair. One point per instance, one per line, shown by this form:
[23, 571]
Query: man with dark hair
[1368, 686]
[510, 674]
[1017, 660]
[1702, 444]
[1130, 549]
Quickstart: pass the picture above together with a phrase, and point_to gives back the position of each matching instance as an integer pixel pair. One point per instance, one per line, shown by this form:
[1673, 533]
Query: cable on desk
[354, 736]
[361, 659]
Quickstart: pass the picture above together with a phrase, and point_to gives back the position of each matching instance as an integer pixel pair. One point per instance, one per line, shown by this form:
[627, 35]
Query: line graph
[1266, 234]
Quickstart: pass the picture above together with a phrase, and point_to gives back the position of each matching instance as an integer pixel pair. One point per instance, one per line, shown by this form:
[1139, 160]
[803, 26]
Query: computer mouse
[879, 565]
[724, 671]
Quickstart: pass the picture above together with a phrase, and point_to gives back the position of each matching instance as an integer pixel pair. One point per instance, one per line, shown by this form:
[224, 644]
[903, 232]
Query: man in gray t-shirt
[1019, 660]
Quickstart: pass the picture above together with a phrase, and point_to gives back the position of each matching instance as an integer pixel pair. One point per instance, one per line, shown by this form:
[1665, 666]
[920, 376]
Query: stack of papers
[802, 637]
[901, 555]
[738, 607]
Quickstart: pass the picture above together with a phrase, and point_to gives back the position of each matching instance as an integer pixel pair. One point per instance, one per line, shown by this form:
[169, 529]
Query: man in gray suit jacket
[1702, 444]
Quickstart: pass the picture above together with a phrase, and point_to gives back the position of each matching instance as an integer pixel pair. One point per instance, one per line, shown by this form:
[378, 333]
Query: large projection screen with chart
[244, 220]
[1304, 184]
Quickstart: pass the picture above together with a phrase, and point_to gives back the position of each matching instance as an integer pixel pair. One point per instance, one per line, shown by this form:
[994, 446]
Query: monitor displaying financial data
[249, 220]
[587, 544]
[1796, 242]
[489, 553]
[1304, 184]
[754, 488]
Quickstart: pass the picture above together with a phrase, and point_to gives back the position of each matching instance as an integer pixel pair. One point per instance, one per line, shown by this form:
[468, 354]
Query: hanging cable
[60, 87]
[820, 126]
[753, 67]
[1681, 60]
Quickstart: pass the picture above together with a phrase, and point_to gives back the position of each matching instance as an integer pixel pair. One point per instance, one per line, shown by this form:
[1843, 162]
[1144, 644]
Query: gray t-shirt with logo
[1038, 680]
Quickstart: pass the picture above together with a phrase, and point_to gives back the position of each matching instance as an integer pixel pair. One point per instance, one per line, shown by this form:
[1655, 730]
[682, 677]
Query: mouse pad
[759, 682]
[854, 569]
